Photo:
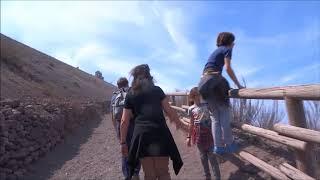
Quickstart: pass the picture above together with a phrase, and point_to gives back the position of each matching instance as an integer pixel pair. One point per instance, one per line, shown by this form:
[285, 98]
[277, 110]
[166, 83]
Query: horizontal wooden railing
[294, 135]
[298, 133]
[303, 92]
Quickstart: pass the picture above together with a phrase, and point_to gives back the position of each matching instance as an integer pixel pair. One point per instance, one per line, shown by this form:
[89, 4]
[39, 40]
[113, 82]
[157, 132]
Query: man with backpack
[117, 104]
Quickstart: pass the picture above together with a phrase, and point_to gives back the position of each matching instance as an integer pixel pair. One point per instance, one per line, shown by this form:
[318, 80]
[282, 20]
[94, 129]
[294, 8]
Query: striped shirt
[202, 125]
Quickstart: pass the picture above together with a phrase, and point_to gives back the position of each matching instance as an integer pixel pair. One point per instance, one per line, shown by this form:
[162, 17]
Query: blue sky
[277, 43]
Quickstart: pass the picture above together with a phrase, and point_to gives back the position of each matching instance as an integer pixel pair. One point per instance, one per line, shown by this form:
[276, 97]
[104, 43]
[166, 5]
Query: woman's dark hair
[142, 78]
[192, 94]
[225, 39]
[122, 82]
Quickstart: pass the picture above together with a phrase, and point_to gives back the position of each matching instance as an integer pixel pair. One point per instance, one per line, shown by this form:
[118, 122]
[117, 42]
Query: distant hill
[28, 72]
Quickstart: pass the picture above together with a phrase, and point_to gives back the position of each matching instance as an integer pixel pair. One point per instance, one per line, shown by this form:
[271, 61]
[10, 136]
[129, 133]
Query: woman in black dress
[152, 142]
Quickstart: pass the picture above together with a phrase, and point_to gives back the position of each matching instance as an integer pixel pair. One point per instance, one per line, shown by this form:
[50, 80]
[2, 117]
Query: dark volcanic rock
[30, 128]
[9, 102]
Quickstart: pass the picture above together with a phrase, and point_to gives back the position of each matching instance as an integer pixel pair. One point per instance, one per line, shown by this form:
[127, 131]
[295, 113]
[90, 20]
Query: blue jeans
[214, 90]
[205, 156]
[220, 126]
[118, 129]
[125, 168]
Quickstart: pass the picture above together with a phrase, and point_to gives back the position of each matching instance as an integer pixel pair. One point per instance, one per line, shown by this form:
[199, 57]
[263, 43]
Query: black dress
[151, 135]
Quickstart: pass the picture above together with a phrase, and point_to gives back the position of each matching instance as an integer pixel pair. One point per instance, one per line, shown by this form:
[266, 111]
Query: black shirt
[151, 136]
[147, 108]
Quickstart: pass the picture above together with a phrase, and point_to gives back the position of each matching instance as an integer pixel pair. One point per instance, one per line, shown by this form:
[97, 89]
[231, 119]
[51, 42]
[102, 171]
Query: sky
[277, 43]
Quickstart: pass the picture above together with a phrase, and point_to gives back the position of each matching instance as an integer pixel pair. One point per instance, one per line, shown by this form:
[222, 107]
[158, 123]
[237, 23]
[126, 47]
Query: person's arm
[171, 113]
[112, 111]
[125, 120]
[227, 63]
[191, 126]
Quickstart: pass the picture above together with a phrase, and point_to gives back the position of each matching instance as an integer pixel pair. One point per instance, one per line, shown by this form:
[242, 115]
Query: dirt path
[89, 153]
[92, 152]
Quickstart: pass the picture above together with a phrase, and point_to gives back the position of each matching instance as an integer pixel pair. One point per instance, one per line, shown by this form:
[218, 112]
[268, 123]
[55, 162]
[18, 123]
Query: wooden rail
[298, 133]
[274, 172]
[272, 135]
[306, 92]
[178, 108]
[294, 173]
[294, 135]
[303, 92]
[177, 94]
[185, 107]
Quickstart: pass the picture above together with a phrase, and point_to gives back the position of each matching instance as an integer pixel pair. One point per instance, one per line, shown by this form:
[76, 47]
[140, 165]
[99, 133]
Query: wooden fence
[294, 135]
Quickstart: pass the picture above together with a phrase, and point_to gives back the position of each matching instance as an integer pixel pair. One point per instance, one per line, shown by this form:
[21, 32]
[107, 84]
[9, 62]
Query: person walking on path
[152, 141]
[200, 134]
[117, 110]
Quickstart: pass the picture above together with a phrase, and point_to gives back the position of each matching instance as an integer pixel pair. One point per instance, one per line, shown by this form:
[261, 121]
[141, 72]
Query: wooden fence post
[297, 118]
[187, 99]
[173, 100]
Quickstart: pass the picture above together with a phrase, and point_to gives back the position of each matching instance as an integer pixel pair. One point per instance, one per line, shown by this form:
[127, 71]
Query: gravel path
[92, 152]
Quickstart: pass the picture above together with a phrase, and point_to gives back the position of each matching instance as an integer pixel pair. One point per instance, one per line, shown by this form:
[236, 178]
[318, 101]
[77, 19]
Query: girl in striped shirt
[200, 133]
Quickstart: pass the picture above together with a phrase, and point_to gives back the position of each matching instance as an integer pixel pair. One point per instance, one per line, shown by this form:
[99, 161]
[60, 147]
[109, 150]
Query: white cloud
[257, 58]
[117, 66]
[116, 36]
[102, 56]
[83, 34]
[166, 82]
[174, 22]
[69, 23]
[246, 71]
[90, 51]
[66, 57]
[186, 51]
[71, 14]
[313, 70]
[104, 59]
[299, 36]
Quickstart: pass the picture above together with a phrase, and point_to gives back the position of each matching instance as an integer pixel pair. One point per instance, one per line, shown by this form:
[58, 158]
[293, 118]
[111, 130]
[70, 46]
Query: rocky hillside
[28, 72]
[30, 128]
